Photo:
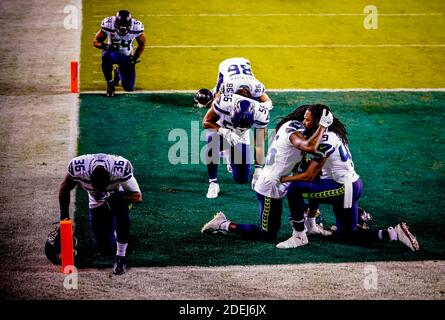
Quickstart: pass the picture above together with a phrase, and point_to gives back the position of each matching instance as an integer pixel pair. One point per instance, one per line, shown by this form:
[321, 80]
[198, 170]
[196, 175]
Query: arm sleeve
[131, 185]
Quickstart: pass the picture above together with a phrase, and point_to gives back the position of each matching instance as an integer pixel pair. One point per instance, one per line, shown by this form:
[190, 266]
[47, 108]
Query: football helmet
[123, 22]
[53, 247]
[203, 98]
[242, 115]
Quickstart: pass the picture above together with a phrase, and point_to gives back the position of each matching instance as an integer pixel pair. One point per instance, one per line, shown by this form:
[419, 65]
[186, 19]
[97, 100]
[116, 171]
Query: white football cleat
[213, 190]
[298, 239]
[406, 237]
[215, 225]
[317, 229]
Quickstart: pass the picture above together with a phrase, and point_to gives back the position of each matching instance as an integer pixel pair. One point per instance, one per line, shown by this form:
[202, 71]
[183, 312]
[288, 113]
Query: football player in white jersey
[285, 153]
[120, 31]
[228, 122]
[235, 73]
[340, 186]
[111, 188]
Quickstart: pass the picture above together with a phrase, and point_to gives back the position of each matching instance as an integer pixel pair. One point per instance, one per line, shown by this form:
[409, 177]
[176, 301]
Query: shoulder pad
[107, 24]
[137, 27]
[295, 126]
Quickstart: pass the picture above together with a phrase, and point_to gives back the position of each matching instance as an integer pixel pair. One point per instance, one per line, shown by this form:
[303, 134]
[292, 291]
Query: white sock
[392, 234]
[310, 222]
[121, 249]
[213, 180]
[225, 225]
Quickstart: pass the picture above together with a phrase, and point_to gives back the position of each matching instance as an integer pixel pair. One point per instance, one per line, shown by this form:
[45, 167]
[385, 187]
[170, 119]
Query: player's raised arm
[312, 143]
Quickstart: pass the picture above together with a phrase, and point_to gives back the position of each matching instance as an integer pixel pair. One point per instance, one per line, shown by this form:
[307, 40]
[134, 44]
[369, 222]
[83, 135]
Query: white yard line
[302, 14]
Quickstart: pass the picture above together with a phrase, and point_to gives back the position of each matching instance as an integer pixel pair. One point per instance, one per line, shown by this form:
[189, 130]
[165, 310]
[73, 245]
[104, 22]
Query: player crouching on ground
[111, 188]
[120, 31]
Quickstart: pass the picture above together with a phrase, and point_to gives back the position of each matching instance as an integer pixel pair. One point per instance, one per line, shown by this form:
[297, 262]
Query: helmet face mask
[123, 22]
[203, 98]
[242, 115]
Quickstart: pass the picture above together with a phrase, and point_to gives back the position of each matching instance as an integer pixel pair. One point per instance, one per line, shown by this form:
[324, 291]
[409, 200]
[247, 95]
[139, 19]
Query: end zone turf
[394, 139]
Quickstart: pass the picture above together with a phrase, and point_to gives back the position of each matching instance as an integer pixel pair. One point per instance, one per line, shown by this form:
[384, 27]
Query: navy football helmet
[242, 115]
[123, 22]
[203, 98]
[53, 246]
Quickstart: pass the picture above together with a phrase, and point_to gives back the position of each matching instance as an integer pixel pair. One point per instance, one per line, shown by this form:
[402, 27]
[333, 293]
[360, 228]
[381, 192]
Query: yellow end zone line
[284, 90]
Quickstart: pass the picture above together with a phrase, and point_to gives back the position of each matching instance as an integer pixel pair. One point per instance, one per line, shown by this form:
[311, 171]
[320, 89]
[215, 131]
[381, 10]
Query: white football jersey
[339, 165]
[282, 157]
[233, 84]
[125, 42]
[121, 171]
[224, 105]
[233, 67]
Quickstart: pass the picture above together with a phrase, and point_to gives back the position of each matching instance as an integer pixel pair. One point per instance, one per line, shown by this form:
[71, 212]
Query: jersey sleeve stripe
[221, 110]
[261, 123]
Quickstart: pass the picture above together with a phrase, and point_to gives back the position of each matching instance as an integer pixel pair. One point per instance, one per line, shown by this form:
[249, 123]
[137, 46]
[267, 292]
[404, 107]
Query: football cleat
[215, 225]
[213, 190]
[318, 229]
[120, 265]
[297, 239]
[365, 220]
[111, 89]
[406, 237]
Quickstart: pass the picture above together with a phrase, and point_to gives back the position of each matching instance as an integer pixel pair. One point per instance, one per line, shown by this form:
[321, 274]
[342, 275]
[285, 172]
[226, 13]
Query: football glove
[134, 60]
[229, 135]
[326, 119]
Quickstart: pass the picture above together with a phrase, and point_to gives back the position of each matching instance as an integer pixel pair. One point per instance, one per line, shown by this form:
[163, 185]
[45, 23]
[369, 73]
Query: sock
[310, 222]
[225, 225]
[392, 234]
[298, 225]
[121, 249]
[213, 180]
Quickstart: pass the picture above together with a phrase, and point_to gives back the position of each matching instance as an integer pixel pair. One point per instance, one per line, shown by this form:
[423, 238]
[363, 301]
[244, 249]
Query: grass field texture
[395, 140]
[188, 39]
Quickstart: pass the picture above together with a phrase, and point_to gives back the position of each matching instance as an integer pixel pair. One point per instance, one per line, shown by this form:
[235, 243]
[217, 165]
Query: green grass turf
[396, 140]
[169, 23]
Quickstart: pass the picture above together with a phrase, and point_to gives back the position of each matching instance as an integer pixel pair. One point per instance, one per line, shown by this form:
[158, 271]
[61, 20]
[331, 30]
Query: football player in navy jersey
[111, 188]
[120, 31]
